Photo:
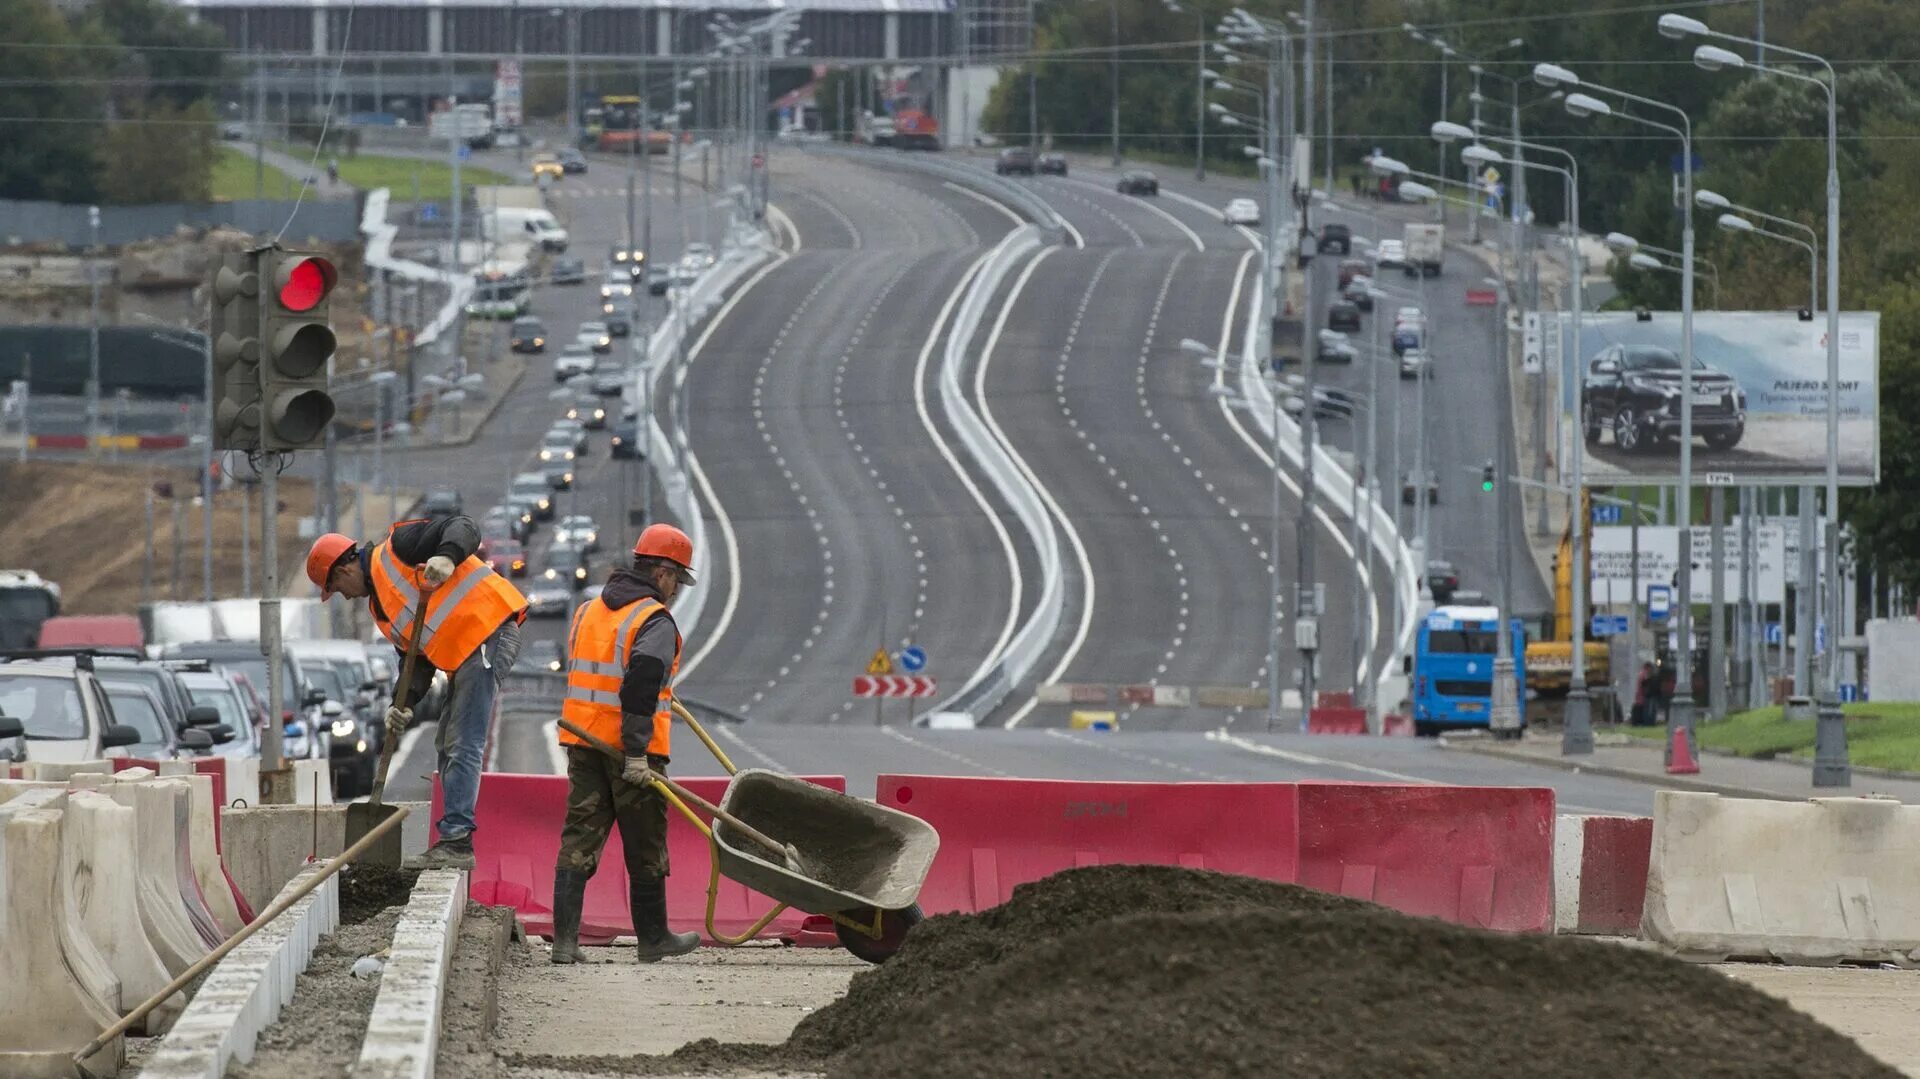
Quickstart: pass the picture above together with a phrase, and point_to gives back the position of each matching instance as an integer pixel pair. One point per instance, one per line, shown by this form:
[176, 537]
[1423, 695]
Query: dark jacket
[650, 665]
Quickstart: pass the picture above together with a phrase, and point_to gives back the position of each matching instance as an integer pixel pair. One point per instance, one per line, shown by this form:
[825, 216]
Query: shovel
[364, 817]
[786, 851]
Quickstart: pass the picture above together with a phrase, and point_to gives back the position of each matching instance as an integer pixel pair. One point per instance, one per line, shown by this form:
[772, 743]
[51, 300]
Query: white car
[594, 335]
[578, 529]
[1409, 316]
[1389, 253]
[699, 252]
[575, 359]
[1241, 212]
[556, 446]
[1414, 363]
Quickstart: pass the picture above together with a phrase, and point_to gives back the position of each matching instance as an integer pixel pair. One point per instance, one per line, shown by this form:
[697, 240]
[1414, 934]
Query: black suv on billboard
[1634, 391]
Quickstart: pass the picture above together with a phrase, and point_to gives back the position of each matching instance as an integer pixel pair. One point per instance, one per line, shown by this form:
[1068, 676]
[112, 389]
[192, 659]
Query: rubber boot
[569, 895]
[647, 899]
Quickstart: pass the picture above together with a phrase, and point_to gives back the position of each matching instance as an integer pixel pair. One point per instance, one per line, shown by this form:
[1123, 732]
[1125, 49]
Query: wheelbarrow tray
[864, 855]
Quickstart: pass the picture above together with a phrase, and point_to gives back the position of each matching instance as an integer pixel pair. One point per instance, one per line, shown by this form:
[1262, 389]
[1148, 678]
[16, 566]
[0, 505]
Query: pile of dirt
[1157, 971]
[319, 1032]
[366, 890]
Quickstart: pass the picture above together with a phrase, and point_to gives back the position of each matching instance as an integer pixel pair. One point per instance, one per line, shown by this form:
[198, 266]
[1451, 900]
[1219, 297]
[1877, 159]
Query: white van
[510, 223]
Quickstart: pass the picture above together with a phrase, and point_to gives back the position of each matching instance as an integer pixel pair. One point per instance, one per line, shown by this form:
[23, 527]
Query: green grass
[1879, 735]
[233, 176]
[368, 171]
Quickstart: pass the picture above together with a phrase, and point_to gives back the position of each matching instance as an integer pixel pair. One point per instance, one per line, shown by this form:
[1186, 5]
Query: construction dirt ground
[1151, 971]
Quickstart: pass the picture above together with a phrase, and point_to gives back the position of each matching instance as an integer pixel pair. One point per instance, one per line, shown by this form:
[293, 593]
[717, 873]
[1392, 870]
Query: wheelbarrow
[863, 863]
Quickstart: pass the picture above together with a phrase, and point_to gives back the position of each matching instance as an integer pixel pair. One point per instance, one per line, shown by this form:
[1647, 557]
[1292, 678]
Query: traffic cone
[1682, 763]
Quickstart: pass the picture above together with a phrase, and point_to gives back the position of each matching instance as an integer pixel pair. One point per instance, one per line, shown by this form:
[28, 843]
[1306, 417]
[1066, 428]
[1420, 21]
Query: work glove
[439, 568]
[637, 771]
[398, 719]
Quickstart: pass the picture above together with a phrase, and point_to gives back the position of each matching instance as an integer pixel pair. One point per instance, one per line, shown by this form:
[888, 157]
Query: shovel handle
[680, 792]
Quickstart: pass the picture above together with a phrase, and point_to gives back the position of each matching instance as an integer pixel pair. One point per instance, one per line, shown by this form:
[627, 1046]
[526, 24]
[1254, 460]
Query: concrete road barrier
[49, 1011]
[97, 835]
[1818, 882]
[158, 831]
[265, 846]
[403, 1034]
[204, 857]
[246, 990]
[1600, 874]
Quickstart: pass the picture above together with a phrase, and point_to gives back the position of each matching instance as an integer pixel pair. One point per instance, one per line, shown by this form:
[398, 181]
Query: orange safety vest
[598, 646]
[461, 614]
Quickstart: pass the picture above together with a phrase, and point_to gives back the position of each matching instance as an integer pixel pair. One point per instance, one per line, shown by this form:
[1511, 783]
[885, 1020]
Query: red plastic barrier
[58, 442]
[996, 833]
[517, 840]
[1396, 726]
[1333, 698]
[160, 442]
[1337, 720]
[1479, 856]
[1613, 874]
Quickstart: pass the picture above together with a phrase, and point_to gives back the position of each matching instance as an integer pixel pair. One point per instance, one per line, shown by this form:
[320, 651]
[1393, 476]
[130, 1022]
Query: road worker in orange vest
[471, 631]
[623, 650]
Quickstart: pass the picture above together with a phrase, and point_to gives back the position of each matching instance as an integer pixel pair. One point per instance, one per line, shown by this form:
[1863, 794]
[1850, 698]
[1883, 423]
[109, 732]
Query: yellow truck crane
[1549, 661]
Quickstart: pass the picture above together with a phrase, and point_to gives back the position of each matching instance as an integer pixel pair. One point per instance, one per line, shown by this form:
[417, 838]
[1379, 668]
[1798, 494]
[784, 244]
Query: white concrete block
[159, 820]
[1569, 842]
[403, 1034]
[61, 771]
[312, 782]
[1816, 882]
[205, 858]
[101, 866]
[49, 1012]
[14, 788]
[246, 990]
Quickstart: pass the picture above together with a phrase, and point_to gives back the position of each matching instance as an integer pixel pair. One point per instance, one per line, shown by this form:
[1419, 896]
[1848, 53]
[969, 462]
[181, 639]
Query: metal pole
[1273, 548]
[1745, 677]
[146, 566]
[1113, 7]
[272, 759]
[1633, 609]
[1033, 86]
[1680, 717]
[206, 474]
[1327, 102]
[246, 540]
[570, 28]
[1504, 715]
[1803, 598]
[1199, 89]
[1576, 736]
[1830, 764]
[173, 585]
[1307, 100]
[1717, 600]
[1473, 209]
[93, 334]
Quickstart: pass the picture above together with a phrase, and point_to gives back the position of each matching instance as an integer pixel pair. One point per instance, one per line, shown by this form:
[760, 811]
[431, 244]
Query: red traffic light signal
[304, 283]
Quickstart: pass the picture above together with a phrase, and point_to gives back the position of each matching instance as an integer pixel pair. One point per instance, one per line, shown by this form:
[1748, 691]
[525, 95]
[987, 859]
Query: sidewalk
[1789, 780]
[298, 167]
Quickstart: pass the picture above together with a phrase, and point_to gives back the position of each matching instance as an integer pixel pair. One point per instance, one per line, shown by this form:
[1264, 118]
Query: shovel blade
[364, 817]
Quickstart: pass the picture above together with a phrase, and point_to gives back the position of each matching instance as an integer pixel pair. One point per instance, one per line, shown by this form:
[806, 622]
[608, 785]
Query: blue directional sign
[1776, 634]
[429, 211]
[464, 152]
[1849, 692]
[1820, 639]
[1659, 602]
[1605, 514]
[913, 659]
[1608, 625]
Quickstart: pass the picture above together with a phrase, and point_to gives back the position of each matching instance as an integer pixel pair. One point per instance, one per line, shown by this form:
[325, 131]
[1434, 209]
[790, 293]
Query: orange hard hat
[666, 541]
[320, 559]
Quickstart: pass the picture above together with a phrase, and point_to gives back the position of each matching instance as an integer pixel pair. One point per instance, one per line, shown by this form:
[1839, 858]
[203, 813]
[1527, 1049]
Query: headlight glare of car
[343, 728]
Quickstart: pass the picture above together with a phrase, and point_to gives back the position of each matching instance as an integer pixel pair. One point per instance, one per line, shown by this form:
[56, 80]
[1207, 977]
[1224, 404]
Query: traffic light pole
[1504, 718]
[276, 783]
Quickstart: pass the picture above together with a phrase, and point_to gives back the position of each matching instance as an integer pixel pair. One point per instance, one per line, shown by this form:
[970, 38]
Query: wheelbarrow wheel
[893, 932]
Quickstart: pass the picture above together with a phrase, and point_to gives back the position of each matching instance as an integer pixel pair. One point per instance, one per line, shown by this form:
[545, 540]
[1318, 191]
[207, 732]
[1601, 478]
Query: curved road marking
[993, 202]
[1145, 205]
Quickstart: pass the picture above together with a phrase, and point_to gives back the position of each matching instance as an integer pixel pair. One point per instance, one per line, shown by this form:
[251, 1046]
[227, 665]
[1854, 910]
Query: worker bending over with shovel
[471, 632]
[623, 650]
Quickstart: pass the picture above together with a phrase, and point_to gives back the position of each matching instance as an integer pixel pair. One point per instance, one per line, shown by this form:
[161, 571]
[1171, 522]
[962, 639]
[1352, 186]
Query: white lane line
[1106, 744]
[780, 218]
[1308, 759]
[727, 537]
[556, 757]
[1016, 579]
[1046, 497]
[1145, 205]
[752, 750]
[993, 202]
[978, 767]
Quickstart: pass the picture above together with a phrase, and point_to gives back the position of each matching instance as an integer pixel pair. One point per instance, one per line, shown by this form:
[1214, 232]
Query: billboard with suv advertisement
[1759, 383]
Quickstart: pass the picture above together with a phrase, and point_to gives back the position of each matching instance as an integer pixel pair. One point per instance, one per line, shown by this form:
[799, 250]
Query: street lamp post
[1680, 714]
[1830, 767]
[1577, 731]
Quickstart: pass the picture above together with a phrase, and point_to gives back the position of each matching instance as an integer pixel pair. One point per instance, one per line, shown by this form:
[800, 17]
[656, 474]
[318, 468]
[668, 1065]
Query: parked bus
[615, 123]
[1453, 667]
[499, 291]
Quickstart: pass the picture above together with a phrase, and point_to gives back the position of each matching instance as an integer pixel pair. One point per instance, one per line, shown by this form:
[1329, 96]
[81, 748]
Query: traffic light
[295, 345]
[235, 329]
[1486, 477]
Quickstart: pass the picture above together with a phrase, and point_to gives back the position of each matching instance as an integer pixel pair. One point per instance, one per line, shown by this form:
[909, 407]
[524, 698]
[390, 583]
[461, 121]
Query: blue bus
[1453, 667]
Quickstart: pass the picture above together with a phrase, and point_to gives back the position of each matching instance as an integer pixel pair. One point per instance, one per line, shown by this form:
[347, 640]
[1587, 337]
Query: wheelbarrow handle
[679, 791]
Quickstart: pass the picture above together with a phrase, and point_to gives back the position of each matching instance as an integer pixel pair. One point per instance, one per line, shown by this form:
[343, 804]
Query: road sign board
[1482, 297]
[881, 663]
[1606, 514]
[894, 685]
[1774, 633]
[1532, 344]
[464, 152]
[1609, 625]
[1659, 602]
[913, 659]
[429, 211]
[1849, 692]
[1719, 479]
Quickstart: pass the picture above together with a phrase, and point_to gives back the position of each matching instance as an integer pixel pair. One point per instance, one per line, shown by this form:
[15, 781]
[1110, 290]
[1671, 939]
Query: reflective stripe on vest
[600, 643]
[461, 614]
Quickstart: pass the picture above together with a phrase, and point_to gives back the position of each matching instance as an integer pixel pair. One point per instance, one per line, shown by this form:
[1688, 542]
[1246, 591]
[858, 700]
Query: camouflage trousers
[597, 799]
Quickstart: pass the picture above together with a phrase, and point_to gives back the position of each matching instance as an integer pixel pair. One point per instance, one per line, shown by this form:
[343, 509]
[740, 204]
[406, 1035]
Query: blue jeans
[465, 717]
